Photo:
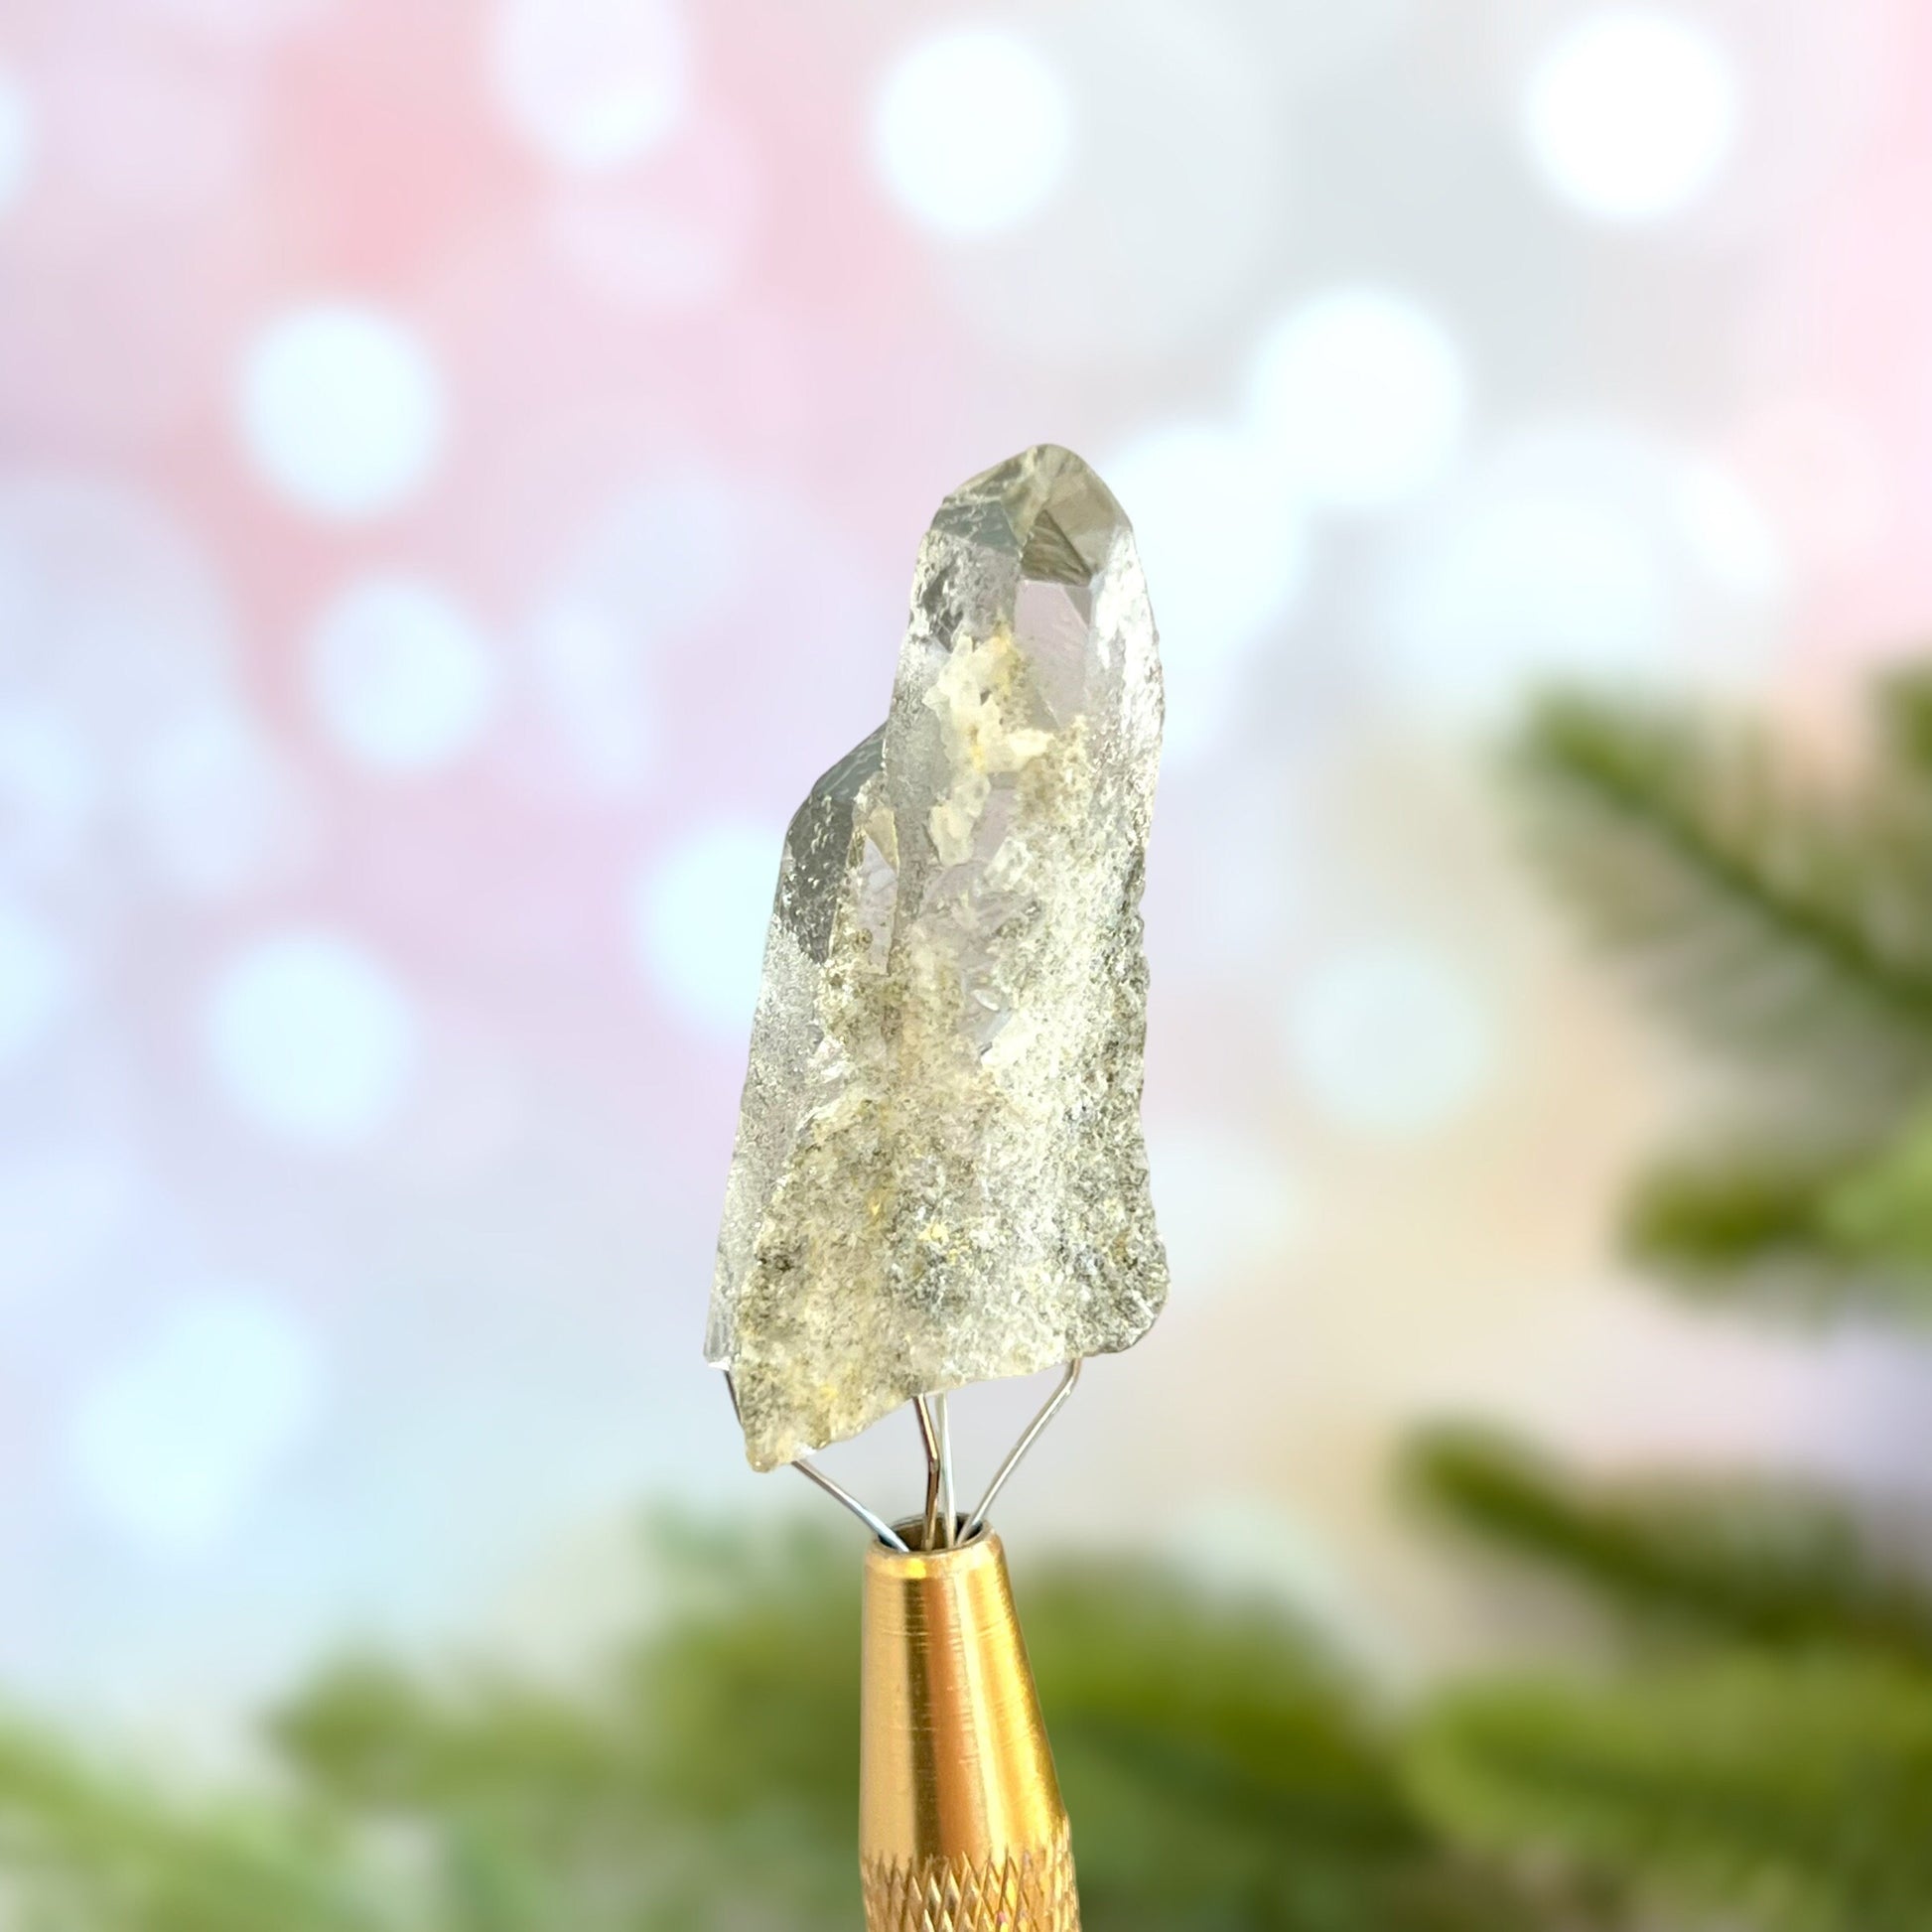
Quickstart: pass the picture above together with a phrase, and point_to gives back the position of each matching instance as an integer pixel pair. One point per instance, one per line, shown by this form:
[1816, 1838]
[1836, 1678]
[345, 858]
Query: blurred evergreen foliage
[1762, 1757]
[1223, 1772]
[1750, 1560]
[86, 1848]
[1786, 1791]
[1758, 1757]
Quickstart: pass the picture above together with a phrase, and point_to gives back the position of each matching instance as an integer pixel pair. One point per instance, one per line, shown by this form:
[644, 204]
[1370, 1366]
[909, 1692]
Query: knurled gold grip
[961, 1827]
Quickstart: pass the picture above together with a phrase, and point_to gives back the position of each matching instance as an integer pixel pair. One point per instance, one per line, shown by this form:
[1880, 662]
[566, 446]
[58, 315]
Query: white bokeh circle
[1729, 533]
[161, 142]
[1181, 187]
[1390, 1038]
[1228, 1204]
[400, 675]
[110, 614]
[216, 807]
[677, 235]
[972, 131]
[1583, 549]
[310, 1035]
[174, 1443]
[343, 409]
[51, 786]
[17, 139]
[1223, 540]
[661, 564]
[37, 984]
[698, 918]
[678, 569]
[1631, 112]
[1360, 395]
[1826, 479]
[594, 684]
[245, 22]
[64, 1204]
[589, 85]
[1531, 585]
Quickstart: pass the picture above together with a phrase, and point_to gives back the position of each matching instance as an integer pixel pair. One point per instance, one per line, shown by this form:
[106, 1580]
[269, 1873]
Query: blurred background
[461, 464]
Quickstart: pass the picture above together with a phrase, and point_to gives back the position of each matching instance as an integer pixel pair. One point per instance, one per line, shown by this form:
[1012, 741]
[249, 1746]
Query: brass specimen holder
[961, 1827]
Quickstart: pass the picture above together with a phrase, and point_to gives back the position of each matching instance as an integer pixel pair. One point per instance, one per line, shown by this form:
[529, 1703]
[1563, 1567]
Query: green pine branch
[1903, 707]
[1787, 1795]
[1779, 1775]
[1815, 1235]
[1789, 929]
[1746, 1559]
[1737, 1218]
[1879, 1213]
[1220, 1771]
[706, 1776]
[85, 1849]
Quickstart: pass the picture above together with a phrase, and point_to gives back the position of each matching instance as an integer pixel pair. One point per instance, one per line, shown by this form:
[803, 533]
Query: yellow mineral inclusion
[973, 698]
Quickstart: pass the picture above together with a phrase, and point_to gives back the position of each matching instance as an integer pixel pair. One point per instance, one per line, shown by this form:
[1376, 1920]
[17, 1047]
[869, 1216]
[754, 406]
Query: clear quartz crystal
[939, 1174]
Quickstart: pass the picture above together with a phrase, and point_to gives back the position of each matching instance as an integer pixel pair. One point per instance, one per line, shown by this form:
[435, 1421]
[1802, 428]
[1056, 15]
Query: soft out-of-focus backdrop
[460, 470]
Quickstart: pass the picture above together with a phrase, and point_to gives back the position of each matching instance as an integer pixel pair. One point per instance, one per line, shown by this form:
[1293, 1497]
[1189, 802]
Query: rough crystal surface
[939, 1174]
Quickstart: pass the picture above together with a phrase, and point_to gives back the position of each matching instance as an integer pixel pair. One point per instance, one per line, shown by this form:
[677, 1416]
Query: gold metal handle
[961, 1827]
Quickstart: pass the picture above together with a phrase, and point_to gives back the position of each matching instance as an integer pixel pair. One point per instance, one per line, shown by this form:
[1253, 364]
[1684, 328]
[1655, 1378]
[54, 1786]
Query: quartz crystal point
[939, 1174]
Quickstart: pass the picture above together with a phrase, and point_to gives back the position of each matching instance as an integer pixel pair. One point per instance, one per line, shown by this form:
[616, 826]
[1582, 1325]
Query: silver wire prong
[1019, 1448]
[810, 1471]
[875, 1524]
[929, 1438]
[945, 1472]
